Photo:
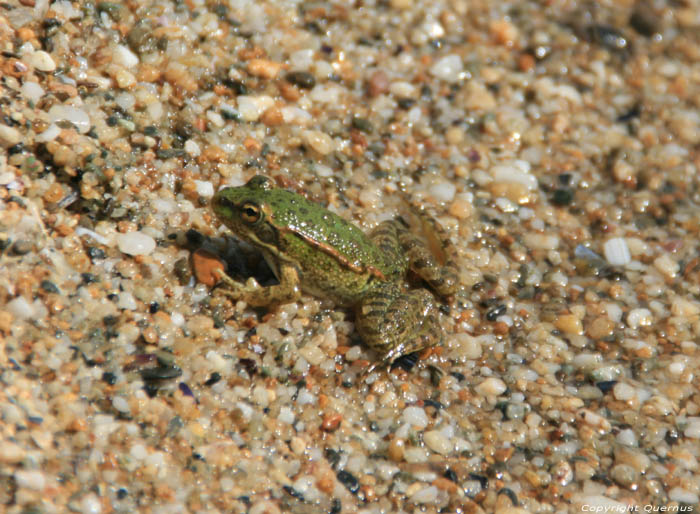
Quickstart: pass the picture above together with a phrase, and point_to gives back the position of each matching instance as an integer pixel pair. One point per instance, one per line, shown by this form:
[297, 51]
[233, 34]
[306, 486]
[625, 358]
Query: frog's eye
[250, 213]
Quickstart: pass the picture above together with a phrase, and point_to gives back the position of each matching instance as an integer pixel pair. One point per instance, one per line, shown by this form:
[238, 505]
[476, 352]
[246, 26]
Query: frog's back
[335, 257]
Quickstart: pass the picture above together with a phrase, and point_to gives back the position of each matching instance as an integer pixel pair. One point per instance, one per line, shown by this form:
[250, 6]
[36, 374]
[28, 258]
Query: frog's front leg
[288, 290]
[395, 323]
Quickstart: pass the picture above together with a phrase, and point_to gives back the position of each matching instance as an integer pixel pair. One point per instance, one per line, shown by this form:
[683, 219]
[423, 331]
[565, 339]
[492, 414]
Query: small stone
[448, 68]
[425, 495]
[396, 449]
[124, 78]
[616, 251]
[78, 117]
[42, 61]
[319, 141]
[569, 324]
[9, 136]
[207, 267]
[30, 479]
[90, 504]
[20, 308]
[135, 243]
[125, 57]
[680, 495]
[264, 68]
[378, 83]
[302, 79]
[640, 317]
[443, 191]
[331, 422]
[416, 417]
[492, 387]
[252, 107]
[436, 441]
[11, 453]
[667, 266]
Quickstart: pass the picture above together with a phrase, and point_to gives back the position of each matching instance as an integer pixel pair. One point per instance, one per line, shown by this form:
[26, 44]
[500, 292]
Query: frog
[312, 250]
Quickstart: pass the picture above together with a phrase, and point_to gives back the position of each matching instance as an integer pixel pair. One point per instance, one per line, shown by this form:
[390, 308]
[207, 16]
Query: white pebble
[125, 100]
[135, 243]
[684, 307]
[443, 191]
[640, 317]
[76, 116]
[20, 308]
[426, 495]
[42, 61]
[51, 133]
[120, 403]
[414, 455]
[436, 441]
[624, 392]
[627, 437]
[138, 451]
[667, 266]
[680, 495]
[11, 453]
[252, 107]
[319, 141]
[192, 148]
[492, 387]
[91, 504]
[616, 251]
[353, 354]
[538, 241]
[325, 94]
[517, 171]
[286, 415]
[30, 479]
[295, 115]
[448, 68]
[415, 416]
[693, 429]
[9, 136]
[301, 60]
[205, 189]
[465, 346]
[125, 57]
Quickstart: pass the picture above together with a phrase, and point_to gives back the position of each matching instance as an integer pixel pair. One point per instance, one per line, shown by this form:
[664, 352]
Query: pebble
[51, 133]
[416, 417]
[319, 141]
[42, 61]
[680, 495]
[11, 453]
[425, 495]
[125, 57]
[252, 107]
[492, 387]
[9, 136]
[693, 428]
[640, 317]
[120, 403]
[443, 191]
[436, 441]
[517, 172]
[30, 479]
[20, 308]
[448, 68]
[90, 504]
[78, 117]
[136, 243]
[617, 252]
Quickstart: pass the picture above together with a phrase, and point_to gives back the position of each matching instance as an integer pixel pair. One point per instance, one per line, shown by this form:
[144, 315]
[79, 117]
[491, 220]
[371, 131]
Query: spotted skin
[312, 250]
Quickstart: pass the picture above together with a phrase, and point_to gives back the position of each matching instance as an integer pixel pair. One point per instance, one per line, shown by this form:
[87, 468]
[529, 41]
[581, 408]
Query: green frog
[315, 251]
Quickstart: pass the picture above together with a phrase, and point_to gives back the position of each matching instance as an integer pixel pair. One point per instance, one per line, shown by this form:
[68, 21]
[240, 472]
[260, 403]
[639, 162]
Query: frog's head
[246, 210]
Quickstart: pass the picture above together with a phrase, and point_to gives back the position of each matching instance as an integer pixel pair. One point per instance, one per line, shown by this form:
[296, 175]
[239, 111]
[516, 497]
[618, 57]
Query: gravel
[556, 145]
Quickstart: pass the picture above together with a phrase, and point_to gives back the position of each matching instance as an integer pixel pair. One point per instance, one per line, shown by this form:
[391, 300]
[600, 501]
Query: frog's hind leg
[395, 323]
[442, 277]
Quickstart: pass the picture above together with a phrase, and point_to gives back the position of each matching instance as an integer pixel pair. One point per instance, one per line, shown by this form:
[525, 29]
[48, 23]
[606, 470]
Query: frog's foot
[254, 294]
[395, 323]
